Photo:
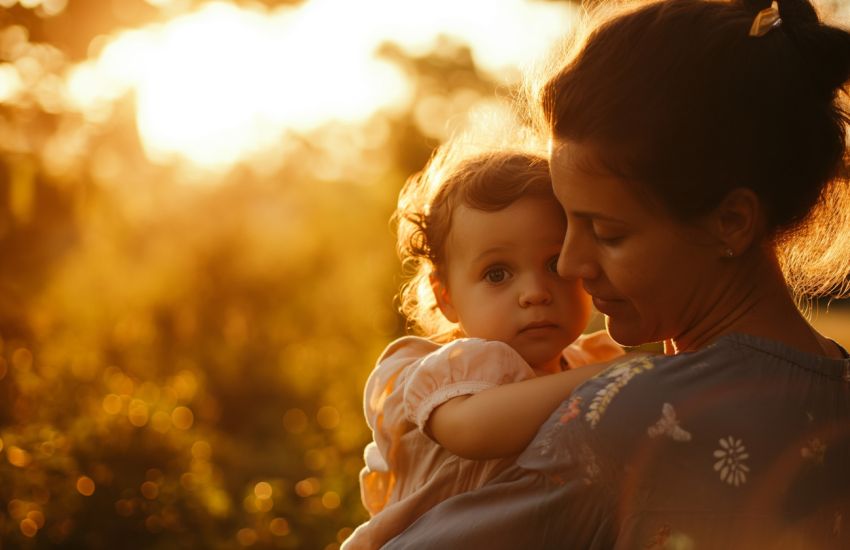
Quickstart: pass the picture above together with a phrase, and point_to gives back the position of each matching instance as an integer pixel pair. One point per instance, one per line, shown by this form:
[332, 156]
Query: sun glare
[225, 82]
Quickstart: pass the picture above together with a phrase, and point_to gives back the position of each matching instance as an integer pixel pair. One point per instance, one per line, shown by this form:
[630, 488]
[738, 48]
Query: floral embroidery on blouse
[668, 425]
[731, 466]
[573, 409]
[813, 450]
[659, 538]
[591, 467]
[620, 374]
[569, 410]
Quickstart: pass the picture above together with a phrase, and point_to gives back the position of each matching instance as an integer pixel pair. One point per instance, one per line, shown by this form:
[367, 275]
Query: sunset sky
[216, 101]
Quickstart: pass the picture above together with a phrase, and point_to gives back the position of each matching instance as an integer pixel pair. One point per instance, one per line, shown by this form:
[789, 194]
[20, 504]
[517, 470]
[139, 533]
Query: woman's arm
[501, 421]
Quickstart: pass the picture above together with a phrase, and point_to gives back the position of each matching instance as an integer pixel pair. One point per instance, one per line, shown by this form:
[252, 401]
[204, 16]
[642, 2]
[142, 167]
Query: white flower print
[591, 467]
[732, 455]
[668, 425]
[814, 450]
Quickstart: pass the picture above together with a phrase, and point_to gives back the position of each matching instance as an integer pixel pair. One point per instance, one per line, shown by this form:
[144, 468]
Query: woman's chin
[625, 333]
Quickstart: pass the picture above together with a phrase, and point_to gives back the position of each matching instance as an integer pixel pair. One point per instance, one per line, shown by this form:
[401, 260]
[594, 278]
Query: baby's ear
[443, 298]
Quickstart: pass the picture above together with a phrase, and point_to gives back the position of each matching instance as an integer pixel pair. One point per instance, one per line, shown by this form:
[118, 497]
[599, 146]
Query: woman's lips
[605, 305]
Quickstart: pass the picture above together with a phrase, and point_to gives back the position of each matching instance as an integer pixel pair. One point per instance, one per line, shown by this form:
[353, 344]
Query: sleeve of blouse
[462, 367]
[595, 347]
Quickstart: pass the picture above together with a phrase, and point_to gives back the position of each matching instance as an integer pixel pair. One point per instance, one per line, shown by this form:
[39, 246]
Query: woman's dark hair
[678, 96]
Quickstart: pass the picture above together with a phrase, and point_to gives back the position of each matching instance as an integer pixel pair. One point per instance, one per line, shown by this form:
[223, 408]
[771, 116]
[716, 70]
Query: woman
[697, 149]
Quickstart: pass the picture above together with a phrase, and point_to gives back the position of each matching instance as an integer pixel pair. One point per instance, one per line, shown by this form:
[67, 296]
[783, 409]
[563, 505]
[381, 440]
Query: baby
[450, 411]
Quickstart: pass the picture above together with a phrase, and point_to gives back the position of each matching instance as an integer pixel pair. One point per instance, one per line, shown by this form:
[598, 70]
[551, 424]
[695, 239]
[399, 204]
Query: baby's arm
[501, 421]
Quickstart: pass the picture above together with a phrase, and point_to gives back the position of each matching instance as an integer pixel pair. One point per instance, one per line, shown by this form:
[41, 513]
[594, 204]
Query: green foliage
[181, 365]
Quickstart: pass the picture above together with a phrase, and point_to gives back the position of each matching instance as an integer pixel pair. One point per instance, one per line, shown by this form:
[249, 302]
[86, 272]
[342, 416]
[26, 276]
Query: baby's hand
[596, 347]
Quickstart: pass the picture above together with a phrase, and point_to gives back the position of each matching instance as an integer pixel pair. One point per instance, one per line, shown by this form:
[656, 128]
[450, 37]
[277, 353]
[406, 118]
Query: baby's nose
[534, 292]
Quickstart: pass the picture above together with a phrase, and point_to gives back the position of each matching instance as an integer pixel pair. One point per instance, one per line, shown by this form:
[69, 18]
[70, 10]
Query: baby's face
[502, 282]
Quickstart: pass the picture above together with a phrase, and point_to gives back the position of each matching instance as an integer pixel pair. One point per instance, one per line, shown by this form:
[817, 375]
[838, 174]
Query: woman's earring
[729, 253]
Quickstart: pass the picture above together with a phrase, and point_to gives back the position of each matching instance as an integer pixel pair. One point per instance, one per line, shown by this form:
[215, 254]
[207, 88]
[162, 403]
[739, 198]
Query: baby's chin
[550, 365]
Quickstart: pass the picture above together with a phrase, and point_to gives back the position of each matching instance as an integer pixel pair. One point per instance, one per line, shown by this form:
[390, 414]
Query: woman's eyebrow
[591, 215]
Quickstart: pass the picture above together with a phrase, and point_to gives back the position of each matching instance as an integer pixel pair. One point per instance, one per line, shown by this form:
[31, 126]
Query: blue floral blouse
[744, 444]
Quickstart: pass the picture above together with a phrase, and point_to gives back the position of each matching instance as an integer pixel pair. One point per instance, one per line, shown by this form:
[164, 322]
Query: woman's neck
[755, 301]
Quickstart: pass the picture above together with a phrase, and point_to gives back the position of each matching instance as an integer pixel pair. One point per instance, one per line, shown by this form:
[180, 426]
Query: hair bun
[824, 50]
[755, 6]
[794, 12]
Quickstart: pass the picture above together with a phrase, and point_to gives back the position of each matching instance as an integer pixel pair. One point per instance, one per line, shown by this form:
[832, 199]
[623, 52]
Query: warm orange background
[196, 266]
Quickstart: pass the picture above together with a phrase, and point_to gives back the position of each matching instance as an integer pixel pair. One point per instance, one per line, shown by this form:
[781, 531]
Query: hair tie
[766, 20]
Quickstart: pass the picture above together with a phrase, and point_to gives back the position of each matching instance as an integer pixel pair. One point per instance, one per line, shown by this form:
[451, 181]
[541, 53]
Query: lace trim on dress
[442, 395]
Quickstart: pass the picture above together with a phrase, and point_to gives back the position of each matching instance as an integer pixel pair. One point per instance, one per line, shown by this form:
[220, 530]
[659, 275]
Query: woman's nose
[574, 262]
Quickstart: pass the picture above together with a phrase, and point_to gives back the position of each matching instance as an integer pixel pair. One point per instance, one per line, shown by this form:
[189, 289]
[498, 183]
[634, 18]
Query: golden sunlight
[225, 83]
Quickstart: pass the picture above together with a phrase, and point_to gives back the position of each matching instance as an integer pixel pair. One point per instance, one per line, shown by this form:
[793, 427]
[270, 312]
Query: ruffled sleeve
[462, 367]
[595, 347]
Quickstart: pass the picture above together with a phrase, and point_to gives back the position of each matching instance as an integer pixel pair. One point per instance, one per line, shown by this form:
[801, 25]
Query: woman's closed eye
[608, 241]
[607, 237]
[496, 275]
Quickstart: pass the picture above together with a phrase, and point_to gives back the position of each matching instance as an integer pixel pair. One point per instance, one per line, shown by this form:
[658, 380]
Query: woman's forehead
[583, 182]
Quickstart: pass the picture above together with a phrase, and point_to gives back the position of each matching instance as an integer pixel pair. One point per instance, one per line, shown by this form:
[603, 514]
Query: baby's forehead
[524, 221]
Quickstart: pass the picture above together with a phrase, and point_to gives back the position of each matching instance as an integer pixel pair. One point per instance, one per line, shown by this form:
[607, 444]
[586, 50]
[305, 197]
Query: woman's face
[653, 277]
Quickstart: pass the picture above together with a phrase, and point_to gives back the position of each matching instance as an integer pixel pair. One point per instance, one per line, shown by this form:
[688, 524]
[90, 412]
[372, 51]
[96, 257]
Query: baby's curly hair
[487, 181]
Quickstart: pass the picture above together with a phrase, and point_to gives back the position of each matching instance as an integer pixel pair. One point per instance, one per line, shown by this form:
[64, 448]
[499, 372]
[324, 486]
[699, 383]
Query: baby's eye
[496, 275]
[552, 264]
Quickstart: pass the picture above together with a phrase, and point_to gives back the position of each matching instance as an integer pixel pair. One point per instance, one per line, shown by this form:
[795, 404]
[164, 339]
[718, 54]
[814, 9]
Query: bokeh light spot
[85, 486]
[295, 421]
[246, 537]
[18, 457]
[201, 450]
[307, 487]
[185, 384]
[22, 359]
[343, 534]
[331, 500]
[153, 523]
[263, 490]
[10, 82]
[124, 507]
[315, 459]
[150, 490]
[182, 418]
[279, 527]
[28, 527]
[328, 417]
[138, 413]
[113, 404]
[37, 516]
[53, 7]
[264, 504]
[161, 422]
[47, 448]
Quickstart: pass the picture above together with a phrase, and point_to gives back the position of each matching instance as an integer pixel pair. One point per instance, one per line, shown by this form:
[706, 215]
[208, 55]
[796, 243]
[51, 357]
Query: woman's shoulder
[738, 386]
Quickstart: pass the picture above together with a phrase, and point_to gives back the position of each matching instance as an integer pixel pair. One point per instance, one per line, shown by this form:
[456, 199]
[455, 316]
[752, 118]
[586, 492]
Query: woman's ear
[738, 221]
[443, 298]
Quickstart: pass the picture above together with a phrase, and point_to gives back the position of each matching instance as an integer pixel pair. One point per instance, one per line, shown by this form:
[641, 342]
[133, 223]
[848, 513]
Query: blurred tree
[181, 366]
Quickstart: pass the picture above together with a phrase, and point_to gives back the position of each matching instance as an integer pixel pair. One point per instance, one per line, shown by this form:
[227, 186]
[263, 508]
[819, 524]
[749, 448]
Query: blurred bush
[182, 353]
